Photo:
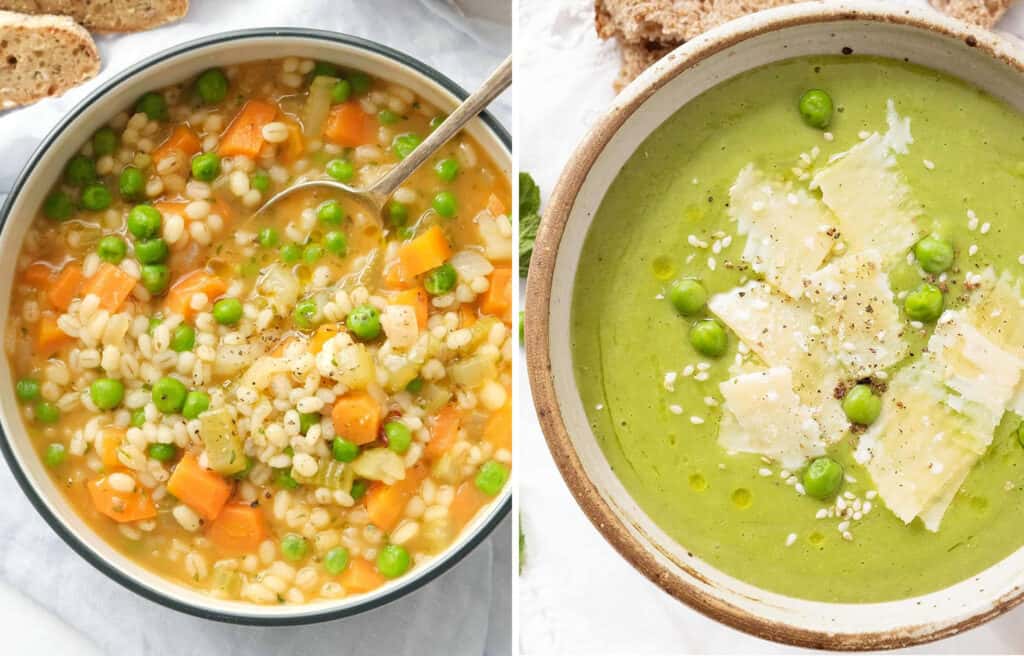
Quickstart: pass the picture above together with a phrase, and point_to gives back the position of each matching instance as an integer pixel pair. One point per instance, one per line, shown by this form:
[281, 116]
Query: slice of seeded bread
[637, 58]
[42, 56]
[107, 15]
[984, 13]
[660, 21]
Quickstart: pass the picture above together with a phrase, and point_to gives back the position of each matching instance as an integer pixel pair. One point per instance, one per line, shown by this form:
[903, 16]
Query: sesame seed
[848, 536]
[857, 515]
[863, 134]
[710, 401]
[764, 471]
[829, 136]
[985, 227]
[972, 250]
[790, 539]
[711, 263]
[844, 525]
[784, 474]
[702, 376]
[800, 489]
[930, 165]
[821, 514]
[703, 366]
[688, 370]
[599, 406]
[866, 508]
[696, 420]
[675, 409]
[871, 494]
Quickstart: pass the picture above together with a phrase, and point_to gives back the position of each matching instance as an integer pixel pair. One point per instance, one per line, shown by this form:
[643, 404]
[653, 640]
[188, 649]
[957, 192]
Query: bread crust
[984, 13]
[107, 15]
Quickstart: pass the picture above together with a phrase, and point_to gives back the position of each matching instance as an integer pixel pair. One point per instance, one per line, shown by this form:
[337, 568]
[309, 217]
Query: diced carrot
[205, 491]
[222, 209]
[120, 506]
[66, 286]
[416, 298]
[179, 296]
[109, 442]
[295, 146]
[245, 134]
[238, 529]
[323, 333]
[444, 431]
[49, 337]
[467, 501]
[428, 251]
[495, 206]
[38, 275]
[385, 504]
[498, 430]
[497, 300]
[348, 125]
[183, 140]
[361, 576]
[111, 284]
[357, 417]
[467, 315]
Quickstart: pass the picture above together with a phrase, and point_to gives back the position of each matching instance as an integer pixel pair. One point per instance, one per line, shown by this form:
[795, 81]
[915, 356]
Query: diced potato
[380, 464]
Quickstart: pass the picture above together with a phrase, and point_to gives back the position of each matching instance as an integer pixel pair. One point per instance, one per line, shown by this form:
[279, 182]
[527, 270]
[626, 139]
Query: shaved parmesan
[868, 195]
[763, 415]
[997, 310]
[789, 232]
[853, 300]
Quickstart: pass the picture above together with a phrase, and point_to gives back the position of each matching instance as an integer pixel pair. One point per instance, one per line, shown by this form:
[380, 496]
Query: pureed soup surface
[295, 406]
[657, 406]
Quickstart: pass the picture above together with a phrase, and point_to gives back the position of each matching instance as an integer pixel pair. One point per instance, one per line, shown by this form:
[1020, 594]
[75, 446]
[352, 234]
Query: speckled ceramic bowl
[179, 63]
[813, 28]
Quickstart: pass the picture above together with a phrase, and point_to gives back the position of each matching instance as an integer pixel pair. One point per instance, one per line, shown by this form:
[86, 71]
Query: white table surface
[53, 603]
[576, 595]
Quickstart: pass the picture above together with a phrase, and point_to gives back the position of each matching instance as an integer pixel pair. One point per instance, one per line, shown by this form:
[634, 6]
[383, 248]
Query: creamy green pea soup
[798, 329]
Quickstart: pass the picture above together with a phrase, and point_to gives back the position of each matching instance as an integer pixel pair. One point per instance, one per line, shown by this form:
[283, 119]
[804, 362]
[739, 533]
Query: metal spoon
[380, 190]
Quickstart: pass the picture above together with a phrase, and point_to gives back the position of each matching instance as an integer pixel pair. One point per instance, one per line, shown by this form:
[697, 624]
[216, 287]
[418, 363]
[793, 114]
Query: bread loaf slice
[42, 56]
[983, 13]
[106, 15]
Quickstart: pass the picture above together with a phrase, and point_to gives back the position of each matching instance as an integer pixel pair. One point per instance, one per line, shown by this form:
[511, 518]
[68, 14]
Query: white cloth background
[53, 602]
[577, 596]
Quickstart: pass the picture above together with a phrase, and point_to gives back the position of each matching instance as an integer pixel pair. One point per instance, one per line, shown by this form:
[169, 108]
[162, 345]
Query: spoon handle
[499, 80]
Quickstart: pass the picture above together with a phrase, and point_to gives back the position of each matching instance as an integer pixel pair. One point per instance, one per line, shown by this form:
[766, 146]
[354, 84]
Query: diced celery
[224, 451]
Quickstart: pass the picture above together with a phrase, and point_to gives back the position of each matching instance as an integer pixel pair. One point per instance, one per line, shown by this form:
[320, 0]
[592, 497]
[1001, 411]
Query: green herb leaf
[529, 220]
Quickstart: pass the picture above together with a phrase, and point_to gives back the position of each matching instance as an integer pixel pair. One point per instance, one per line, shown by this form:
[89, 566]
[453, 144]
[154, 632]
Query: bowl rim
[682, 585]
[446, 560]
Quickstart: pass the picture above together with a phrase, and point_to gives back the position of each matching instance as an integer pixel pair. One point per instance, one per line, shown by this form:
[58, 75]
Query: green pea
[155, 278]
[131, 183]
[491, 477]
[260, 181]
[183, 338]
[58, 206]
[169, 395]
[436, 121]
[934, 254]
[268, 238]
[358, 490]
[341, 91]
[336, 560]
[447, 169]
[290, 253]
[284, 480]
[227, 311]
[154, 322]
[96, 198]
[308, 420]
[522, 328]
[144, 221]
[399, 436]
[324, 69]
[364, 322]
[56, 454]
[111, 249]
[687, 296]
[388, 117]
[104, 142]
[440, 280]
[924, 303]
[151, 251]
[415, 385]
[206, 167]
[330, 213]
[444, 204]
[398, 213]
[336, 242]
[162, 452]
[393, 561]
[152, 105]
[106, 393]
[822, 478]
[816, 108]
[709, 338]
[344, 450]
[80, 171]
[403, 145]
[862, 405]
[212, 86]
[341, 170]
[312, 253]
[294, 547]
[47, 413]
[305, 313]
[361, 82]
[196, 403]
[138, 419]
[28, 389]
